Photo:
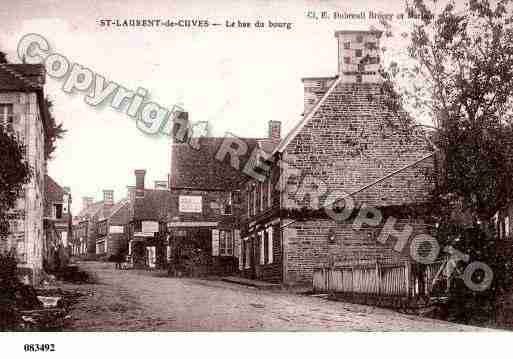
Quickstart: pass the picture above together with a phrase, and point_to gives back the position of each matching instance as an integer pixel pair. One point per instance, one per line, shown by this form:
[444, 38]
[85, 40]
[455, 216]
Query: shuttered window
[215, 242]
[247, 254]
[237, 247]
[261, 244]
[270, 245]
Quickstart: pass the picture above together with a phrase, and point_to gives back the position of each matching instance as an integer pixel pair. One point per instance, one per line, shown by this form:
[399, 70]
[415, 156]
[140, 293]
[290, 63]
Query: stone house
[23, 111]
[203, 222]
[146, 229]
[111, 236]
[348, 148]
[85, 230]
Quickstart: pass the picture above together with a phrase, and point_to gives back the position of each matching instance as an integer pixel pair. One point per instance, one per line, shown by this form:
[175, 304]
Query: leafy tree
[54, 132]
[14, 173]
[460, 76]
[457, 78]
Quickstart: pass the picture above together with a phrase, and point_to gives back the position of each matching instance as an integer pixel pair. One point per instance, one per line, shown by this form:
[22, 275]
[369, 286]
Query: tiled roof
[120, 212]
[91, 210]
[199, 169]
[19, 77]
[53, 191]
[155, 205]
[23, 77]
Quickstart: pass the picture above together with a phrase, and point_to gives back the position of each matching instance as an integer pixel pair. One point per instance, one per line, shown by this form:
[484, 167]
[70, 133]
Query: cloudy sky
[238, 79]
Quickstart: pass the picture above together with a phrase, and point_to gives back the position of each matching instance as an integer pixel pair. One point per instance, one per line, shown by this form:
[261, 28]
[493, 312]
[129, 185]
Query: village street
[132, 300]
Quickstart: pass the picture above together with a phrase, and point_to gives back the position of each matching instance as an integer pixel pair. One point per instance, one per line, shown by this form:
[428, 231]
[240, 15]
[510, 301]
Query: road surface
[129, 300]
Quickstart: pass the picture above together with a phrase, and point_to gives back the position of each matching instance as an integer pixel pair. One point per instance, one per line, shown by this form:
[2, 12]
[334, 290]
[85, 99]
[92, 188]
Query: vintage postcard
[260, 166]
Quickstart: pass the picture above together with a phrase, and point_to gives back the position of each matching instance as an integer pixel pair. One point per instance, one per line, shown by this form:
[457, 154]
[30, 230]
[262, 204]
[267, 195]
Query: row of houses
[253, 206]
[40, 222]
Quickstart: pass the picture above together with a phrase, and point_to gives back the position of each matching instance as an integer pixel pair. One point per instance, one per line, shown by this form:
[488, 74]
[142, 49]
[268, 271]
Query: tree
[14, 173]
[461, 77]
[53, 133]
[458, 76]
[14, 169]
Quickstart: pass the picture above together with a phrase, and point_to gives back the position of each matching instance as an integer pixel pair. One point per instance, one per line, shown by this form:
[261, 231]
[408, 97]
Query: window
[270, 251]
[359, 79]
[347, 60]
[373, 60]
[358, 53]
[6, 116]
[227, 208]
[252, 200]
[266, 246]
[248, 195]
[261, 244]
[225, 243]
[253, 196]
[247, 255]
[57, 210]
[371, 45]
[347, 45]
[13, 226]
[361, 67]
[257, 197]
[269, 193]
[359, 39]
[261, 187]
[236, 197]
[506, 226]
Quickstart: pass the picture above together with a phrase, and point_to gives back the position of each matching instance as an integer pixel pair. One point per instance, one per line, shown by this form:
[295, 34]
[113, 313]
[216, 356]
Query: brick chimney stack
[87, 202]
[139, 182]
[181, 130]
[275, 130]
[108, 198]
[359, 56]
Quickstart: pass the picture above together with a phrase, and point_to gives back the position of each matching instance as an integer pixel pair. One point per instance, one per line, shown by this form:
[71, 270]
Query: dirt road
[127, 300]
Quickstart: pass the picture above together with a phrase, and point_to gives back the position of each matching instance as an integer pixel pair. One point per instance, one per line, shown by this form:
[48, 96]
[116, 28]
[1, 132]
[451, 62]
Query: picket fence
[377, 278]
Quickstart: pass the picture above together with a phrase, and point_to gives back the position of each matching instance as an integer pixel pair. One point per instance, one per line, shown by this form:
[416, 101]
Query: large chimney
[139, 182]
[275, 130]
[358, 56]
[87, 202]
[181, 130]
[108, 198]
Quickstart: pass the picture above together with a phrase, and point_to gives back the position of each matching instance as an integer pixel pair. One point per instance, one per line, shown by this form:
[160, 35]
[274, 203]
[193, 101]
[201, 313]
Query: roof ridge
[294, 132]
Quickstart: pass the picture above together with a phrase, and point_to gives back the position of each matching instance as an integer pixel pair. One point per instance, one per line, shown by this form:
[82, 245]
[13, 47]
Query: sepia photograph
[255, 170]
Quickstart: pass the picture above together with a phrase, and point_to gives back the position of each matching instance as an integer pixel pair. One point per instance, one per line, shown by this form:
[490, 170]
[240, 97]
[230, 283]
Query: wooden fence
[399, 279]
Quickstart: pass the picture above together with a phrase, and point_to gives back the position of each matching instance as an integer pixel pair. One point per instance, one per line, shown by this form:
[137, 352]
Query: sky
[237, 79]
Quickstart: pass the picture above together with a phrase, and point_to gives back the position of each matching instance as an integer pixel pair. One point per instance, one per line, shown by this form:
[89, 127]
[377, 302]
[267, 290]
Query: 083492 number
[39, 347]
